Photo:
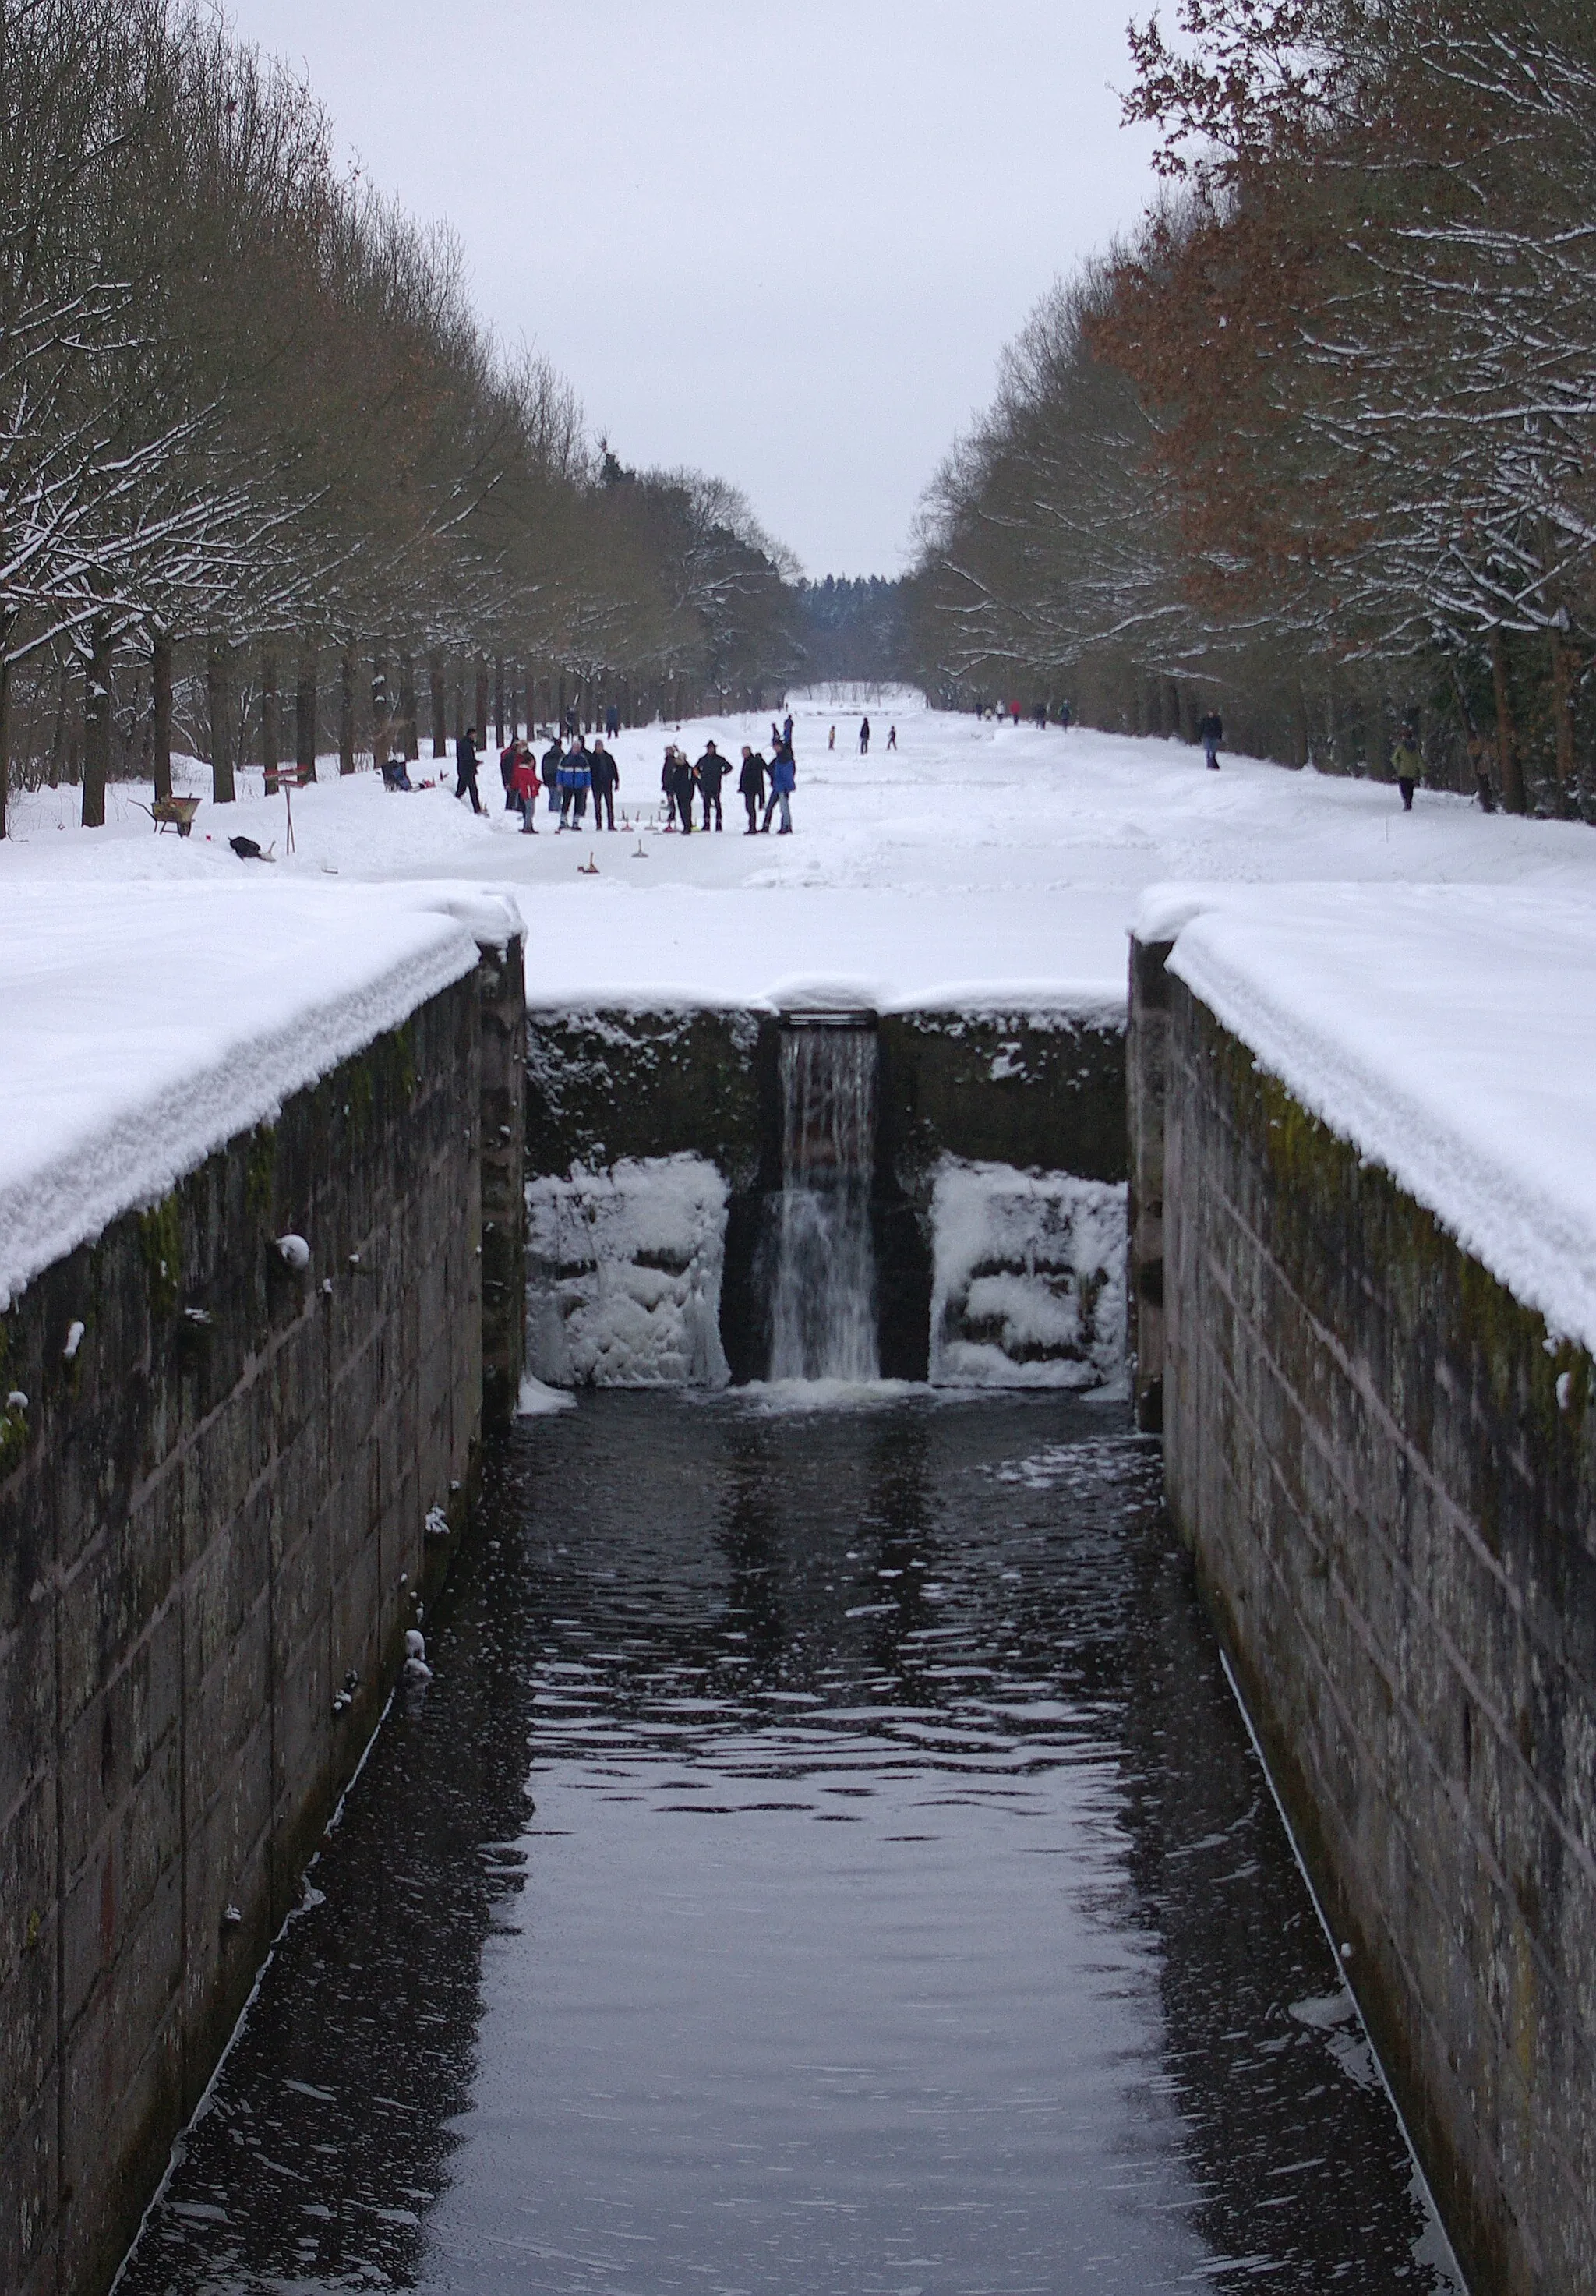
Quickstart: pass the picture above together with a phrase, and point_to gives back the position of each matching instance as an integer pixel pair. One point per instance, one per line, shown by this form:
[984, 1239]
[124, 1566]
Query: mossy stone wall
[211, 1544]
[1386, 1468]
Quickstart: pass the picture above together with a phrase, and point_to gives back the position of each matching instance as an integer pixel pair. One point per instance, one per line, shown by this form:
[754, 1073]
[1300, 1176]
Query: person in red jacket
[525, 782]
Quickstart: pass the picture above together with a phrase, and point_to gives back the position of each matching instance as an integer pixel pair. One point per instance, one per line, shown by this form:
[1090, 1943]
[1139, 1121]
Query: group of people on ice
[569, 772]
[569, 776]
[679, 779]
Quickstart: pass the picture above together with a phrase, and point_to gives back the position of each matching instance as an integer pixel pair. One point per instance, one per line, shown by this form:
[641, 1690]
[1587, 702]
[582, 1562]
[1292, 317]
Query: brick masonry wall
[211, 1528]
[1387, 1473]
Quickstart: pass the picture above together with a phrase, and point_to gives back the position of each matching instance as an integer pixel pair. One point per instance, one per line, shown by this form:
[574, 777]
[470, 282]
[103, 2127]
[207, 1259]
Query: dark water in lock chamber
[827, 1858]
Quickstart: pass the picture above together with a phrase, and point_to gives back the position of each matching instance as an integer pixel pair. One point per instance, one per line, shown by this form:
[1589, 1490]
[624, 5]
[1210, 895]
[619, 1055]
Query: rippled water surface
[827, 1858]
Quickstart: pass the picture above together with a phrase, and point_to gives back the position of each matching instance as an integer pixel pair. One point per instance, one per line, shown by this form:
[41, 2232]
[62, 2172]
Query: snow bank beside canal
[143, 1025]
[1447, 1032]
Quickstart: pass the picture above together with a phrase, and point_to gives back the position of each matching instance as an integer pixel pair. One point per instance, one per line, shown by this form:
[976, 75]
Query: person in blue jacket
[576, 779]
[783, 781]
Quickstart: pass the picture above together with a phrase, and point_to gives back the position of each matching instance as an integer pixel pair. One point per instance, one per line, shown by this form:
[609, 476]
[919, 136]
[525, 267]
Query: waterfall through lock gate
[823, 1286]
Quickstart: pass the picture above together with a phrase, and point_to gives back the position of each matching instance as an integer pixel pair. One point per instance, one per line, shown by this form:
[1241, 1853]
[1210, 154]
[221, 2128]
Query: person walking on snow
[606, 781]
[1211, 732]
[465, 767]
[507, 773]
[832, 739]
[786, 729]
[1407, 763]
[783, 781]
[892, 737]
[864, 737]
[710, 773]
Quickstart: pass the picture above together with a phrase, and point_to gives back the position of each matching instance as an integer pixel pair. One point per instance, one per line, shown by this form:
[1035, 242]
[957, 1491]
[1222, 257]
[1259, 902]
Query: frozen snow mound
[1445, 1031]
[624, 1274]
[144, 1025]
[1028, 1285]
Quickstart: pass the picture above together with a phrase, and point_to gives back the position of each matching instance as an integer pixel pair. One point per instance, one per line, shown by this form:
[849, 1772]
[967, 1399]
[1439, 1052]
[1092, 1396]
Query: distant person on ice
[892, 737]
[465, 767]
[832, 739]
[1407, 763]
[606, 781]
[710, 773]
[1210, 733]
[750, 783]
[864, 737]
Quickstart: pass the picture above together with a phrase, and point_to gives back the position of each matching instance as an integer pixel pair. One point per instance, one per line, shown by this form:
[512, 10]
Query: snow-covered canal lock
[826, 1856]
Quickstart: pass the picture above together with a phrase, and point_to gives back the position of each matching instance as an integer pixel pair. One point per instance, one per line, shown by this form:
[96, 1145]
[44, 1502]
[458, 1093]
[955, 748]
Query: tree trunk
[160, 712]
[498, 701]
[1562, 702]
[407, 742]
[381, 730]
[437, 692]
[1507, 738]
[457, 686]
[480, 713]
[221, 789]
[58, 737]
[305, 706]
[346, 709]
[96, 727]
[6, 621]
[270, 750]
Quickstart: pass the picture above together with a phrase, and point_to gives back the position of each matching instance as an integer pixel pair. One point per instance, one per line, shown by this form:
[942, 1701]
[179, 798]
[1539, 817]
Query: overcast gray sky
[783, 243]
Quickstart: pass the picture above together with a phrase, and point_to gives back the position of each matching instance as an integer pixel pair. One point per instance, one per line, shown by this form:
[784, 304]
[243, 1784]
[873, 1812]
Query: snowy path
[1000, 865]
[1448, 1033]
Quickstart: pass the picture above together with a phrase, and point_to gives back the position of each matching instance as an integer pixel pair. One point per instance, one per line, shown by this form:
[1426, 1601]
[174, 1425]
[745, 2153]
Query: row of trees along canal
[1318, 443]
[266, 486]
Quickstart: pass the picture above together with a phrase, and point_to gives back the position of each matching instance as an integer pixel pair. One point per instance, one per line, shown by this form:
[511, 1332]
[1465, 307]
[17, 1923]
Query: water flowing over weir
[823, 1295]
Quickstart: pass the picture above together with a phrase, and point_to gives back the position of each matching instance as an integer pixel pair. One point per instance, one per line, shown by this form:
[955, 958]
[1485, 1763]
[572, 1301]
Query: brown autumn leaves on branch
[1319, 439]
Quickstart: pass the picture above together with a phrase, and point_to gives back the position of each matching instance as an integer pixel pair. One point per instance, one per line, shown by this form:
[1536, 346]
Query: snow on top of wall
[1448, 1033]
[672, 948]
[143, 1025]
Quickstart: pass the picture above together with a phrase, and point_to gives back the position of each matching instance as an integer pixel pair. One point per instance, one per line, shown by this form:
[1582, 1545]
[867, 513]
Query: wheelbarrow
[172, 813]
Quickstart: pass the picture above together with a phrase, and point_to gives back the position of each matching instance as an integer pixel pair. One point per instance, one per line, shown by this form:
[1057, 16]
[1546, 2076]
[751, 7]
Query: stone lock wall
[213, 1513]
[1388, 1471]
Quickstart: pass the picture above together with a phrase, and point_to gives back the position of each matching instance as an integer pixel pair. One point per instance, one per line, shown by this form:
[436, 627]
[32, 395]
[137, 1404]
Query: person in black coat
[750, 782]
[465, 767]
[677, 782]
[1210, 733]
[606, 781]
[710, 773]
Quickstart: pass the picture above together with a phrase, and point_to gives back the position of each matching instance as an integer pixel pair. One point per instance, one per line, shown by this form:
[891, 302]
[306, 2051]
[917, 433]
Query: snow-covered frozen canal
[826, 1858]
